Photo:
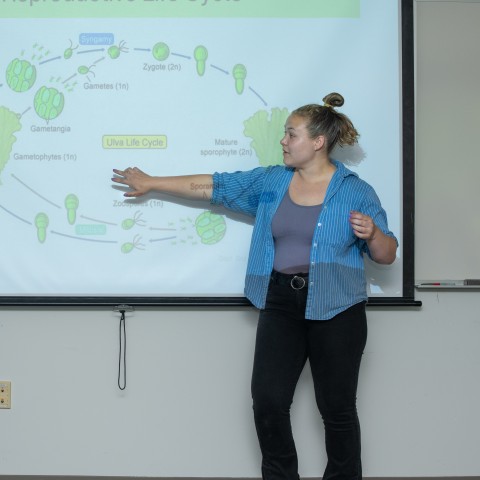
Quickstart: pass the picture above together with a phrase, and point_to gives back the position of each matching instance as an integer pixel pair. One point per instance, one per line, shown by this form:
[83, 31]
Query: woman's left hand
[381, 246]
[363, 226]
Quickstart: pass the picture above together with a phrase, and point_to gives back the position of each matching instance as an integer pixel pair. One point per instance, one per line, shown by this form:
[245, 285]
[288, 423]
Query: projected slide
[175, 87]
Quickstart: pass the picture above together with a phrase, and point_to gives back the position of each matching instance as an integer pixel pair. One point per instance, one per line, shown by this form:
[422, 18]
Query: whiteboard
[447, 167]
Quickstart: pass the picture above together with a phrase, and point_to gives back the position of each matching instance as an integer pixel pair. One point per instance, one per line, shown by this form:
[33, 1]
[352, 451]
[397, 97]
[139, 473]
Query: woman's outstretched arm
[195, 187]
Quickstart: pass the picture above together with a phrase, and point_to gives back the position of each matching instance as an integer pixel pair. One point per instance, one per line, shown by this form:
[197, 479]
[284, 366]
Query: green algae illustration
[9, 124]
[266, 134]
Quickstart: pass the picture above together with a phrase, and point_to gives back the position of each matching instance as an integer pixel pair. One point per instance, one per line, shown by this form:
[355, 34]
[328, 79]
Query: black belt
[295, 280]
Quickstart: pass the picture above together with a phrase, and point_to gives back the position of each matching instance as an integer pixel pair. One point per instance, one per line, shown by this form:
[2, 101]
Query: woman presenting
[314, 221]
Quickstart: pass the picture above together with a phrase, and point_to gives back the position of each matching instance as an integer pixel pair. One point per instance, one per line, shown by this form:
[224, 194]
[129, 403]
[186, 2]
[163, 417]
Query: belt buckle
[297, 283]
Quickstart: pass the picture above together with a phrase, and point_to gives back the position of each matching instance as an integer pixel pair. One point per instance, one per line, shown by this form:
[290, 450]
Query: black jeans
[285, 340]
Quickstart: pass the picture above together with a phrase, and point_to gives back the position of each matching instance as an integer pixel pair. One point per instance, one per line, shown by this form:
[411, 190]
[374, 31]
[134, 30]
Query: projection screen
[180, 87]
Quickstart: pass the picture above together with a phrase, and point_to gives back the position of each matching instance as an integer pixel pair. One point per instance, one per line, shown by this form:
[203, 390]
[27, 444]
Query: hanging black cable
[122, 353]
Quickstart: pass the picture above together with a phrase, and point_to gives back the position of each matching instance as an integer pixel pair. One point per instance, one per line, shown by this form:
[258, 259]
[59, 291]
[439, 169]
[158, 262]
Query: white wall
[187, 411]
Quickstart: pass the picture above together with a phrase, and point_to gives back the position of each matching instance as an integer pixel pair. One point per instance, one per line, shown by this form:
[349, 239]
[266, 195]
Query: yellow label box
[148, 142]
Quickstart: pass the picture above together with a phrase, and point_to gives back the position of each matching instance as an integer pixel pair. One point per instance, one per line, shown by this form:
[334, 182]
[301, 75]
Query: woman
[314, 220]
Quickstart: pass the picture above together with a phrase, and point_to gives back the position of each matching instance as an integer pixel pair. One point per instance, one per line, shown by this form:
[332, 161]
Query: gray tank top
[292, 227]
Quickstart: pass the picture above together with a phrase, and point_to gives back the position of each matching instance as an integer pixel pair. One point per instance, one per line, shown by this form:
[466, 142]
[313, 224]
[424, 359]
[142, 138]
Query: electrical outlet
[5, 394]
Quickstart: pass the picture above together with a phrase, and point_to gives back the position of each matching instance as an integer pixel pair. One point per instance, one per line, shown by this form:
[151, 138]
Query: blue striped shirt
[336, 274]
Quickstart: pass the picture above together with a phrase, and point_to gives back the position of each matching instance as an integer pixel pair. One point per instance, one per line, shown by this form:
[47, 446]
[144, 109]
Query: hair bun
[333, 100]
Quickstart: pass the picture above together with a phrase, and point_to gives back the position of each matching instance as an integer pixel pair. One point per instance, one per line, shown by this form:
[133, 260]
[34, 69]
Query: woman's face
[298, 148]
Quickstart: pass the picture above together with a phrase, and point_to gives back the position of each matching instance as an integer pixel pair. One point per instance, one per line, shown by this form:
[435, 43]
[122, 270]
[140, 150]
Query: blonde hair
[325, 120]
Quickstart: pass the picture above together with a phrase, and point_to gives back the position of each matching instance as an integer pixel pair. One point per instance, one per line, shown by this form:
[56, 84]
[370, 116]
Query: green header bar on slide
[179, 8]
